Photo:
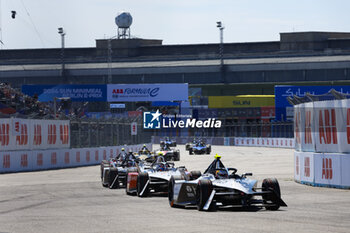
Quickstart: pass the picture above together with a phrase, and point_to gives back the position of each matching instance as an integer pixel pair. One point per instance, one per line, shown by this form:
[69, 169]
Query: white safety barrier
[322, 126]
[29, 134]
[322, 169]
[17, 161]
[322, 143]
[265, 142]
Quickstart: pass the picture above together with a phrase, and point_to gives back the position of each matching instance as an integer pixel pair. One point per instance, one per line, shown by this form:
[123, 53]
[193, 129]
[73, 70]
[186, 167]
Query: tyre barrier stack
[322, 143]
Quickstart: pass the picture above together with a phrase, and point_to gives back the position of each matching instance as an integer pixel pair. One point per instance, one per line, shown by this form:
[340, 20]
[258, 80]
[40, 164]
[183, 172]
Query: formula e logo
[151, 120]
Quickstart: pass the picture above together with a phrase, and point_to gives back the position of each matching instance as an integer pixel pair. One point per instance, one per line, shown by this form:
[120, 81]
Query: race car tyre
[204, 189]
[104, 164]
[171, 190]
[126, 180]
[208, 150]
[174, 144]
[271, 184]
[177, 156]
[105, 178]
[161, 144]
[187, 146]
[195, 175]
[142, 180]
[113, 182]
[190, 151]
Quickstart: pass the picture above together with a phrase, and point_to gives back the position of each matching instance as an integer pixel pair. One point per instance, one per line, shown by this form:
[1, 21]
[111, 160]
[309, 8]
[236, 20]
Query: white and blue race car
[221, 186]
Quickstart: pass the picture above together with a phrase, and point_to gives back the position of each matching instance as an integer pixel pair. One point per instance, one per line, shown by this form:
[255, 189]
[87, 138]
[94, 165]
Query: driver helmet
[160, 153]
[220, 174]
[123, 149]
[144, 145]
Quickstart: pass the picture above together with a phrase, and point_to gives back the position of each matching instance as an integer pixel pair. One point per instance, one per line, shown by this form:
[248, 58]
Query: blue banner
[78, 93]
[284, 110]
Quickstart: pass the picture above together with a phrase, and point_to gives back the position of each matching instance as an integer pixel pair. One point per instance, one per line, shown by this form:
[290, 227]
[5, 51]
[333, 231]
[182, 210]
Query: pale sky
[175, 22]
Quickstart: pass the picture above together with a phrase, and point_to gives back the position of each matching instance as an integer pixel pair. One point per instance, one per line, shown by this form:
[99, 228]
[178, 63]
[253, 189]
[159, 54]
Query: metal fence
[97, 132]
[228, 129]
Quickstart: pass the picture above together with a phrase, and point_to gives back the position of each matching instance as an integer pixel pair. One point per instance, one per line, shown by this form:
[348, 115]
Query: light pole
[62, 33]
[221, 49]
[109, 54]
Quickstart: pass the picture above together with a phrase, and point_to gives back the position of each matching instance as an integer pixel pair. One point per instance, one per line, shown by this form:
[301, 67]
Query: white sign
[147, 92]
[117, 106]
[134, 128]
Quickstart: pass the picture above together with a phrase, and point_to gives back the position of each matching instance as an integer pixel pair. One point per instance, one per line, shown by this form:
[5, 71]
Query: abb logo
[51, 134]
[4, 134]
[64, 134]
[96, 155]
[253, 141]
[118, 91]
[77, 157]
[267, 142]
[297, 119]
[247, 141]
[6, 163]
[327, 171]
[37, 140]
[39, 159]
[327, 127]
[87, 156]
[24, 160]
[348, 125]
[307, 166]
[53, 158]
[104, 154]
[308, 138]
[297, 165]
[22, 131]
[111, 153]
[273, 142]
[66, 157]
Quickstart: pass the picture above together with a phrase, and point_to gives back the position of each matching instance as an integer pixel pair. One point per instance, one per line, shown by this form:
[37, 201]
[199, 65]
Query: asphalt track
[73, 200]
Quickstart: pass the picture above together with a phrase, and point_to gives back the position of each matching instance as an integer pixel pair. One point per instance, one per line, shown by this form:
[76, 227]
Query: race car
[153, 178]
[216, 187]
[199, 148]
[191, 144]
[168, 153]
[167, 141]
[114, 172]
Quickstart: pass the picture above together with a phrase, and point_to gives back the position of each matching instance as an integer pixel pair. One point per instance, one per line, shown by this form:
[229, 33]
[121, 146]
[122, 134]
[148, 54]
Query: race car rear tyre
[190, 151]
[142, 179]
[105, 178]
[203, 191]
[104, 164]
[171, 185]
[177, 156]
[271, 184]
[187, 146]
[195, 175]
[113, 182]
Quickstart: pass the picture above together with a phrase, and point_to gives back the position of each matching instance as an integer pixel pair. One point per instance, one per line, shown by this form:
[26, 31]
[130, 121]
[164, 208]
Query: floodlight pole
[62, 33]
[221, 50]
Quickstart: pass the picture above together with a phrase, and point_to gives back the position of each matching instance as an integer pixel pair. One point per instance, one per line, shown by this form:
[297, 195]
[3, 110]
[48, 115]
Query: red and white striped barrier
[17, 161]
[265, 142]
[29, 134]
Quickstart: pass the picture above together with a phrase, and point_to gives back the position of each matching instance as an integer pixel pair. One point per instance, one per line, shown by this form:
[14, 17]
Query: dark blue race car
[199, 148]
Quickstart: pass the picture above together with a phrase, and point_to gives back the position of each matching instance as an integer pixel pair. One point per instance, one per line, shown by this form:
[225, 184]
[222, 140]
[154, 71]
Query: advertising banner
[147, 92]
[241, 101]
[78, 93]
[307, 167]
[284, 110]
[7, 141]
[327, 169]
[297, 156]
